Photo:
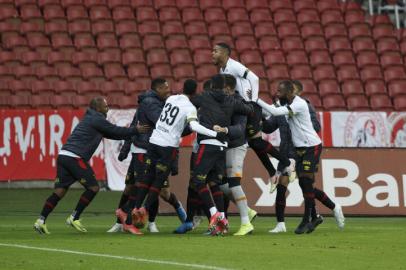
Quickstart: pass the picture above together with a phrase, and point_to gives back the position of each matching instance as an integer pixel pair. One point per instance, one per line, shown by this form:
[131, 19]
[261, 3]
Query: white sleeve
[272, 109]
[298, 105]
[254, 81]
[191, 114]
[195, 126]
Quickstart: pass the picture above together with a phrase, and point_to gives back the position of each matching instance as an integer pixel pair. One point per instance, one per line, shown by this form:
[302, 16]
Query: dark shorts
[70, 169]
[209, 164]
[136, 170]
[159, 162]
[308, 158]
[254, 122]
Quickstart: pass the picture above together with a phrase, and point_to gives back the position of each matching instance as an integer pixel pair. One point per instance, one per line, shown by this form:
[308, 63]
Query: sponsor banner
[363, 181]
[397, 129]
[359, 129]
[31, 139]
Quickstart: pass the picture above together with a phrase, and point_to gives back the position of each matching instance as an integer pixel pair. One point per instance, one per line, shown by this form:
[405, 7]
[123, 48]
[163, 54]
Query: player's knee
[60, 192]
[95, 189]
[128, 189]
[165, 193]
[234, 181]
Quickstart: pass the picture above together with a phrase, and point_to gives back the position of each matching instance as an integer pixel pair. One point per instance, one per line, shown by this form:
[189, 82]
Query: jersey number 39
[169, 114]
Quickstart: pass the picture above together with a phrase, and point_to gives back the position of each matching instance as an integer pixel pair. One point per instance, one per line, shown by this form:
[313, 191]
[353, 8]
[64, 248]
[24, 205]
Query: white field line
[151, 261]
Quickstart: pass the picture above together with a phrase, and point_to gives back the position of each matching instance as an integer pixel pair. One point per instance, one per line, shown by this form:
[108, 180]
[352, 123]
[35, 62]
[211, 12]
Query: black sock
[173, 201]
[153, 211]
[308, 195]
[218, 197]
[192, 204]
[280, 202]
[49, 205]
[259, 146]
[83, 202]
[204, 195]
[141, 190]
[123, 201]
[324, 199]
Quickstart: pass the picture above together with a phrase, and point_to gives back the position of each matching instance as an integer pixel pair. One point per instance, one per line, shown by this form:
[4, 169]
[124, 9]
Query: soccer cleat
[131, 229]
[279, 228]
[117, 227]
[197, 220]
[140, 217]
[245, 229]
[224, 226]
[317, 221]
[214, 220]
[75, 224]
[181, 213]
[252, 214]
[304, 227]
[218, 231]
[184, 228]
[41, 227]
[152, 228]
[122, 216]
[339, 216]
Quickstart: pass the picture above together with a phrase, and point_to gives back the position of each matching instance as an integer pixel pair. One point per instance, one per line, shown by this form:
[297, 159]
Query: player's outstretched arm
[254, 81]
[272, 109]
[196, 127]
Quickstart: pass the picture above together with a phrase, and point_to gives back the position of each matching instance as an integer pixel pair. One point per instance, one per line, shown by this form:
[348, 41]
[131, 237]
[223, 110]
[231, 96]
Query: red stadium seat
[274, 57]
[334, 103]
[42, 88]
[292, 44]
[288, 30]
[77, 13]
[297, 58]
[202, 57]
[61, 102]
[64, 88]
[343, 58]
[190, 15]
[123, 14]
[133, 57]
[152, 42]
[365, 44]
[381, 103]
[99, 13]
[357, 103]
[25, 73]
[180, 57]
[367, 58]
[397, 88]
[114, 72]
[109, 58]
[102, 27]
[394, 73]
[89, 89]
[324, 72]
[79, 27]
[83, 59]
[130, 43]
[20, 102]
[400, 103]
[335, 31]
[284, 17]
[371, 73]
[320, 58]
[333, 17]
[125, 28]
[329, 87]
[391, 59]
[34, 59]
[114, 4]
[347, 73]
[278, 72]
[55, 28]
[299, 72]
[69, 73]
[163, 70]
[92, 73]
[185, 71]
[112, 88]
[157, 56]
[236, 15]
[80, 101]
[374, 87]
[21, 88]
[175, 44]
[205, 72]
[84, 42]
[210, 4]
[135, 71]
[353, 87]
[47, 73]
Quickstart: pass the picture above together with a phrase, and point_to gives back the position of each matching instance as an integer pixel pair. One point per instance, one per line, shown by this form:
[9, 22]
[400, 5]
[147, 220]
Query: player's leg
[206, 159]
[82, 171]
[280, 204]
[168, 196]
[152, 214]
[62, 183]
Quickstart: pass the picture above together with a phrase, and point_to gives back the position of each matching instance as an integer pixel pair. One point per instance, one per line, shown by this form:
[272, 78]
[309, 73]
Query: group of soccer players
[228, 116]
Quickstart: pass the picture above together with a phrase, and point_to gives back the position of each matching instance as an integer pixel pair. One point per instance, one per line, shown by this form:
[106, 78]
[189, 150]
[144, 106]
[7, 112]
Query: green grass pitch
[366, 243]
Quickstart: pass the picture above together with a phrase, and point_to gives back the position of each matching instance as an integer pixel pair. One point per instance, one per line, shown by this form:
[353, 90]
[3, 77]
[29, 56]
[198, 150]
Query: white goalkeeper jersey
[240, 72]
[176, 114]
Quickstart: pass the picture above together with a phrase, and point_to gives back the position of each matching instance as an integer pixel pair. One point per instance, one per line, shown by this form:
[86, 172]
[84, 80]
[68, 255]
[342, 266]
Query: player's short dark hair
[207, 85]
[225, 46]
[189, 87]
[298, 85]
[157, 82]
[286, 85]
[230, 81]
[95, 102]
[217, 82]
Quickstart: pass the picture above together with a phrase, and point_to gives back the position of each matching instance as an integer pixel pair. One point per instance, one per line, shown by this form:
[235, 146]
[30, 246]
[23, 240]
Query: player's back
[172, 121]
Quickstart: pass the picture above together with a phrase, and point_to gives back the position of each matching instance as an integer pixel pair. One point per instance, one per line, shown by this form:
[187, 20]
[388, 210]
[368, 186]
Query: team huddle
[228, 117]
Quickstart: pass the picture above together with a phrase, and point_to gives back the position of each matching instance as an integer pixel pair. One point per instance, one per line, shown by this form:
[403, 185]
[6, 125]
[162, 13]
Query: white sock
[213, 210]
[223, 215]
[241, 202]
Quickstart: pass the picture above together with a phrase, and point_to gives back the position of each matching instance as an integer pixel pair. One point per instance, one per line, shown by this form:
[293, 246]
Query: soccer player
[165, 139]
[150, 107]
[247, 86]
[72, 162]
[235, 155]
[308, 148]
